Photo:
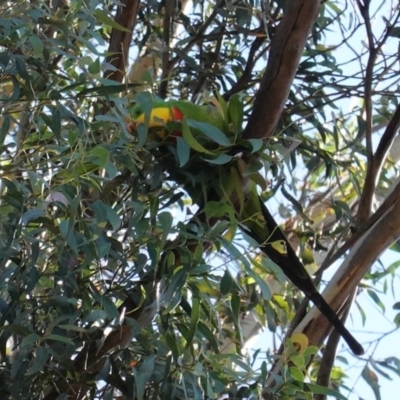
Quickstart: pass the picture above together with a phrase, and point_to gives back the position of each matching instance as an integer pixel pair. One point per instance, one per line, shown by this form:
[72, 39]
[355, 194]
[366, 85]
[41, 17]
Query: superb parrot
[164, 112]
[256, 220]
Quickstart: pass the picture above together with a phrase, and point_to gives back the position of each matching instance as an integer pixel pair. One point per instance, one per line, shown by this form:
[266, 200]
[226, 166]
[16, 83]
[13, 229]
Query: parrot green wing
[202, 113]
[258, 223]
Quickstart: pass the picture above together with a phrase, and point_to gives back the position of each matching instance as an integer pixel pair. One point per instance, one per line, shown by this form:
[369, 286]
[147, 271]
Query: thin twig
[375, 162]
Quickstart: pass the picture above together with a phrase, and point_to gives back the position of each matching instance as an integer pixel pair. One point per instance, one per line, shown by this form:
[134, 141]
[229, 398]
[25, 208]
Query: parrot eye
[136, 113]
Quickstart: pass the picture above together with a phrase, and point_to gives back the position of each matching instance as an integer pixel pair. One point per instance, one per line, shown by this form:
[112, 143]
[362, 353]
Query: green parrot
[256, 220]
[164, 112]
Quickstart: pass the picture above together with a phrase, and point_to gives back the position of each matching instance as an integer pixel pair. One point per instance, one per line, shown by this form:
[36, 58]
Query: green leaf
[143, 375]
[102, 90]
[173, 294]
[210, 131]
[107, 118]
[222, 105]
[235, 307]
[106, 20]
[378, 369]
[20, 64]
[172, 345]
[17, 92]
[191, 141]
[59, 338]
[205, 331]
[17, 329]
[165, 219]
[5, 55]
[41, 356]
[395, 32]
[266, 293]
[37, 46]
[386, 363]
[226, 283]
[32, 215]
[107, 304]
[296, 374]
[109, 307]
[95, 66]
[69, 327]
[145, 101]
[32, 338]
[396, 320]
[256, 145]
[215, 209]
[222, 159]
[372, 380]
[297, 360]
[183, 151]
[55, 123]
[105, 213]
[5, 128]
[194, 319]
[66, 229]
[376, 299]
[56, 301]
[99, 156]
[317, 389]
[235, 112]
[96, 315]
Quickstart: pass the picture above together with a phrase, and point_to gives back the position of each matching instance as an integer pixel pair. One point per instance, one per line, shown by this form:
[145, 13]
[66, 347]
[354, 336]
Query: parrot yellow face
[159, 117]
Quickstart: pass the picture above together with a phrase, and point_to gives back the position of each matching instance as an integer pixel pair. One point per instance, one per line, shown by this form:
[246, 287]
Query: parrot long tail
[286, 258]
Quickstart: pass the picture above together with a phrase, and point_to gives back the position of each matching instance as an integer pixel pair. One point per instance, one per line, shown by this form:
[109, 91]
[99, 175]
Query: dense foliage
[123, 271]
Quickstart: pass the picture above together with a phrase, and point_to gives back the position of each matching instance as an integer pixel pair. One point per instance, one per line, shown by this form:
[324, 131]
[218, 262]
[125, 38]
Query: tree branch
[165, 52]
[286, 50]
[329, 356]
[120, 41]
[377, 238]
[375, 162]
[392, 197]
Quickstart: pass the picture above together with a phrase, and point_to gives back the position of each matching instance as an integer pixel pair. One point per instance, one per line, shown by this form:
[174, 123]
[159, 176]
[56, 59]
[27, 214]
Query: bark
[286, 50]
[378, 238]
[120, 41]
